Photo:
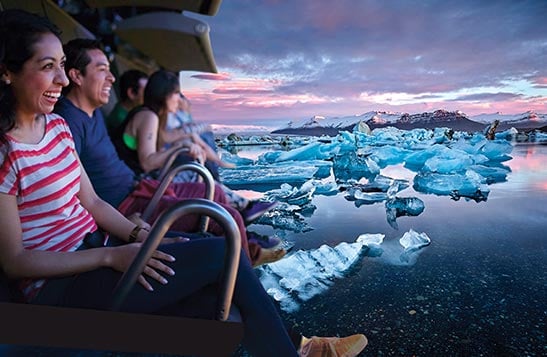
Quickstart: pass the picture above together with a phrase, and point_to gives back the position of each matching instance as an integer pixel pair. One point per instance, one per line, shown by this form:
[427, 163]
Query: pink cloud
[213, 76]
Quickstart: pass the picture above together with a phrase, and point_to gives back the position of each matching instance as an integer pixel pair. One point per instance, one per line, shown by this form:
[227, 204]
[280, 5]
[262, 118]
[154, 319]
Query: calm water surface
[479, 289]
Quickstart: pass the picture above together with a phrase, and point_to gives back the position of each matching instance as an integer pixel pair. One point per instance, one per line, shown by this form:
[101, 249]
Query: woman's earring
[8, 82]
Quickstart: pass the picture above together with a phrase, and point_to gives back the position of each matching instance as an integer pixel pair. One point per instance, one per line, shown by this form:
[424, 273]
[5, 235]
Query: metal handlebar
[166, 181]
[160, 227]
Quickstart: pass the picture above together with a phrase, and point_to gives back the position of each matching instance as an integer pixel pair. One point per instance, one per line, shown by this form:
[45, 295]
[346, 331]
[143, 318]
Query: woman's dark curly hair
[19, 31]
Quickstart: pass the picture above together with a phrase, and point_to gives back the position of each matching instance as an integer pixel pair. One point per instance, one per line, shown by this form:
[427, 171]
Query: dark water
[479, 289]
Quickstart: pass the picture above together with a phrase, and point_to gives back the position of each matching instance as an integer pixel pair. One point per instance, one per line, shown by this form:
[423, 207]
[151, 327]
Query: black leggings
[198, 264]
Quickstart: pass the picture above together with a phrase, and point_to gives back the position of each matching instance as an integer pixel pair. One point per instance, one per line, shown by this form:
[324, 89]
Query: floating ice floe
[267, 175]
[305, 274]
[403, 206]
[377, 190]
[412, 242]
[470, 185]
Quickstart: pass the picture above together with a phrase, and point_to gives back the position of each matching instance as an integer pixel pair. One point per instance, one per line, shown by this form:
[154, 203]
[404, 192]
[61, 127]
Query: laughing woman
[49, 206]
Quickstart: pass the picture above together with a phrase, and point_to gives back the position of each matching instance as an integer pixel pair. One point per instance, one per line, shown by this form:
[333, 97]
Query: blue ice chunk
[448, 161]
[416, 160]
[497, 150]
[492, 174]
[472, 148]
[372, 242]
[361, 198]
[267, 176]
[403, 206]
[470, 184]
[292, 195]
[321, 188]
[305, 274]
[268, 157]
[312, 151]
[377, 190]
[509, 134]
[412, 242]
[236, 160]
[353, 166]
[288, 217]
[389, 155]
[539, 137]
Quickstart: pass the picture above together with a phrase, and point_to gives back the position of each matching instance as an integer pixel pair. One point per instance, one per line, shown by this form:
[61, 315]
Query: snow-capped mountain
[456, 120]
[348, 121]
[528, 119]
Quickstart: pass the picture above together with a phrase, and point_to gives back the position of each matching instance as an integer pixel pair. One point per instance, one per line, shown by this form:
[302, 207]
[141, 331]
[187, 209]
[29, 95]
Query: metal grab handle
[170, 160]
[160, 227]
[166, 181]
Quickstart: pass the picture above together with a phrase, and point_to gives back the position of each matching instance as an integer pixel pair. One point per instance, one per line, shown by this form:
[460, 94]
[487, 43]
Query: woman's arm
[171, 136]
[210, 154]
[17, 262]
[145, 124]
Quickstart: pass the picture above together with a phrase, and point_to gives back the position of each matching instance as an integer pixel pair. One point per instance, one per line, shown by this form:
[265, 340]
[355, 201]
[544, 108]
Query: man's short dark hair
[130, 80]
[77, 56]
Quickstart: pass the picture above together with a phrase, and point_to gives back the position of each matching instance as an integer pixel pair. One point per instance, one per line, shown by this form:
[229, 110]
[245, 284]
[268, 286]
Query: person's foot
[256, 209]
[267, 256]
[263, 240]
[349, 346]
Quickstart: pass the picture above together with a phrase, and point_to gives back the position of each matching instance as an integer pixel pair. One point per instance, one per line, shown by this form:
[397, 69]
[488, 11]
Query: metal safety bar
[166, 181]
[160, 227]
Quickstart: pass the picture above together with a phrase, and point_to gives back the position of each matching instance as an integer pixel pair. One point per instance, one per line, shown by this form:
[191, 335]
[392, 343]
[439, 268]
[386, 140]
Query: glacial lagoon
[477, 289]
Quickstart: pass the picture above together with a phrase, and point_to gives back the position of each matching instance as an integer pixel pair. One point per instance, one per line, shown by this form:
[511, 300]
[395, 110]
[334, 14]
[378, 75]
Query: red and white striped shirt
[45, 178]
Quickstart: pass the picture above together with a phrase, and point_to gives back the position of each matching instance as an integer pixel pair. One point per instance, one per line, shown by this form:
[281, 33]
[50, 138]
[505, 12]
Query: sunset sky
[289, 60]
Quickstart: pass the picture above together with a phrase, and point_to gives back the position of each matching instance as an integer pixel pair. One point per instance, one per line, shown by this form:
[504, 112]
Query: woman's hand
[122, 257]
[143, 235]
[136, 218]
[197, 153]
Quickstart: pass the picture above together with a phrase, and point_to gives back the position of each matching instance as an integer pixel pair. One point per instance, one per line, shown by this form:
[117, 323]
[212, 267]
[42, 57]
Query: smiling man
[88, 70]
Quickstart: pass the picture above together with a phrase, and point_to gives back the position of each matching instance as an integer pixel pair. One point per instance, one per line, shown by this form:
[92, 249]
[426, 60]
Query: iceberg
[288, 217]
[492, 174]
[264, 177]
[470, 185]
[497, 150]
[389, 155]
[377, 190]
[412, 242]
[403, 206]
[353, 166]
[305, 274]
[312, 151]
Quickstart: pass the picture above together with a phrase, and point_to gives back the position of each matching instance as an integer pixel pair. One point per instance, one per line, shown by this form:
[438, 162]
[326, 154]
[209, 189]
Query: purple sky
[290, 60]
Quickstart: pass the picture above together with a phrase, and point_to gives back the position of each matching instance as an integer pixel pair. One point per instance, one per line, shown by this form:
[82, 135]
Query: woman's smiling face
[38, 85]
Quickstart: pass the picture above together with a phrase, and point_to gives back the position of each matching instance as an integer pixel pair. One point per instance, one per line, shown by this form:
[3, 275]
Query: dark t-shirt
[112, 179]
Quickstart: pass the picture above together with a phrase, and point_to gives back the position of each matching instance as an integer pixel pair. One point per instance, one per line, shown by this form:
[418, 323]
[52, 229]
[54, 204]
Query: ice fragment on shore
[412, 242]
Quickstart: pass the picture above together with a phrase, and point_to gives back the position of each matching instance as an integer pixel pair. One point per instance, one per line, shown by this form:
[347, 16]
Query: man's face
[98, 80]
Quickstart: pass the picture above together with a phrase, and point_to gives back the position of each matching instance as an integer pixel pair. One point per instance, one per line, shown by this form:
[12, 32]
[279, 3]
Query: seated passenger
[90, 82]
[49, 207]
[181, 123]
[132, 83]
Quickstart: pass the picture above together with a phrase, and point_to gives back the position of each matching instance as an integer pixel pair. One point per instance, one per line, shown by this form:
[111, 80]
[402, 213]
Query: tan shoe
[333, 346]
[270, 255]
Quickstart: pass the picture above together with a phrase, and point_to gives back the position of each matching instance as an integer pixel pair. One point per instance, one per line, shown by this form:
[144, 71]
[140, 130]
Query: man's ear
[75, 76]
[131, 94]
